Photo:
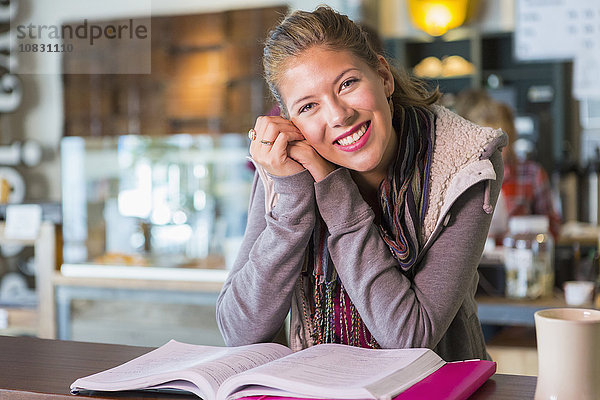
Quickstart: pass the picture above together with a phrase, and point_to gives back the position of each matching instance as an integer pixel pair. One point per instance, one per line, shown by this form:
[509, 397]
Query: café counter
[35, 368]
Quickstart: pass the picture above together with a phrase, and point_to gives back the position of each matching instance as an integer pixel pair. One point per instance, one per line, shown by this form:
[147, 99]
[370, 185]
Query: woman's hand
[270, 147]
[308, 157]
[281, 149]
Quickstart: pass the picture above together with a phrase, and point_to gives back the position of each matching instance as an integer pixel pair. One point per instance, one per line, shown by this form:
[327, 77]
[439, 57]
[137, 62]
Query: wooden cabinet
[206, 77]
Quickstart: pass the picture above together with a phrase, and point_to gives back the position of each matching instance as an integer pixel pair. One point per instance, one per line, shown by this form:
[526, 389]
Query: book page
[259, 391]
[205, 366]
[339, 371]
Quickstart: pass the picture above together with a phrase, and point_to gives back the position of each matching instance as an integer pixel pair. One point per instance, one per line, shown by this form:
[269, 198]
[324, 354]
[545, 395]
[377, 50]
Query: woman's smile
[354, 139]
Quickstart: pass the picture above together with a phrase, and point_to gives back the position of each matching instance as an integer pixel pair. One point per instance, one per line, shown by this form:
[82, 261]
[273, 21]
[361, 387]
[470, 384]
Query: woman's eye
[307, 107]
[348, 83]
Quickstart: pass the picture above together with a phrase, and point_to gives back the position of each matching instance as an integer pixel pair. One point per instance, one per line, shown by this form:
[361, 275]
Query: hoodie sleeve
[256, 296]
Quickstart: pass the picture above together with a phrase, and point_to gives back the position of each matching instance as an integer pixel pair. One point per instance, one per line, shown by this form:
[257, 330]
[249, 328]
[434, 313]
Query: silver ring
[252, 134]
[267, 142]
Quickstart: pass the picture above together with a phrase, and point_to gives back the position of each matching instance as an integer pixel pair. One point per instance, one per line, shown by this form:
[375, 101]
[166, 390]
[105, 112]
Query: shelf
[527, 73]
[448, 78]
[454, 35]
[202, 293]
[11, 241]
[515, 312]
[451, 85]
[21, 321]
[91, 271]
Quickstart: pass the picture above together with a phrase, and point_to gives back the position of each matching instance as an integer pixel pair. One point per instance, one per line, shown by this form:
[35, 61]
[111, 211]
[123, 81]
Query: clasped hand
[282, 150]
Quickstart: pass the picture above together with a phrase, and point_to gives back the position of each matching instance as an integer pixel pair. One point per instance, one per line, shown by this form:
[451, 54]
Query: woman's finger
[268, 128]
[270, 146]
[283, 140]
[304, 154]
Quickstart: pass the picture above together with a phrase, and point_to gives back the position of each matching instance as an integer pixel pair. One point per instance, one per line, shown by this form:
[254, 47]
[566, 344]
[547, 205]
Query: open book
[324, 371]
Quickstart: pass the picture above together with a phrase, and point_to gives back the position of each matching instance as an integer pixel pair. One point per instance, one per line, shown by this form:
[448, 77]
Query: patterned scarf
[403, 200]
[404, 195]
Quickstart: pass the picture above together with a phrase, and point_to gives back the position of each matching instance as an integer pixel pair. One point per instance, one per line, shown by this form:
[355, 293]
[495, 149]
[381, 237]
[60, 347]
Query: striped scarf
[403, 199]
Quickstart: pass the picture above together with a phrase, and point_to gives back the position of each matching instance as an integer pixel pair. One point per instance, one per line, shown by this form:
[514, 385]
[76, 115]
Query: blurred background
[124, 181]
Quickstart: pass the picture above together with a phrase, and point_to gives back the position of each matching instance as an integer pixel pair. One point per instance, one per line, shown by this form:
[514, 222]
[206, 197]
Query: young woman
[370, 207]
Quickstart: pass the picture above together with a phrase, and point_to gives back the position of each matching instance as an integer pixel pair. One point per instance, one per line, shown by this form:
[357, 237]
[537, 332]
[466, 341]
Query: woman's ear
[385, 72]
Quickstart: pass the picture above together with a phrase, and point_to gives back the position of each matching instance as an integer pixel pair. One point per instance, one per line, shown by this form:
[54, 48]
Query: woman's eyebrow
[337, 78]
[300, 100]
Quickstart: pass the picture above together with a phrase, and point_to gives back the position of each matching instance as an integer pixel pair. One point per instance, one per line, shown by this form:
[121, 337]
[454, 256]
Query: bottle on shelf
[590, 202]
[597, 288]
[529, 257]
[565, 180]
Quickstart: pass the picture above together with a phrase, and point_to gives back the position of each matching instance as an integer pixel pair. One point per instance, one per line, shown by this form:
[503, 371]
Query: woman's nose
[340, 114]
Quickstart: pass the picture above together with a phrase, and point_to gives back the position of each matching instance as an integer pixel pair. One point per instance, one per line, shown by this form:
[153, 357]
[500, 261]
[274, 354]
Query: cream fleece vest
[460, 147]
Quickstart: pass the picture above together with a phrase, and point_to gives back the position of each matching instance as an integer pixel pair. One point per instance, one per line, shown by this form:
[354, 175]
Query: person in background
[526, 187]
[370, 205]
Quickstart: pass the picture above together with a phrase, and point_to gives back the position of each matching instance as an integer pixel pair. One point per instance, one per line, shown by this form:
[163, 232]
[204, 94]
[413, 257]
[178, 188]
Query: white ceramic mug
[568, 344]
[579, 293]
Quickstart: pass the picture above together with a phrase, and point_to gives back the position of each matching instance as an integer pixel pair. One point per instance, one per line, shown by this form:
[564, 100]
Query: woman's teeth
[351, 139]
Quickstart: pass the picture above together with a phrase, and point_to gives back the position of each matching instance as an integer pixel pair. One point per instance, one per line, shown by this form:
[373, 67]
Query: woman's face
[340, 105]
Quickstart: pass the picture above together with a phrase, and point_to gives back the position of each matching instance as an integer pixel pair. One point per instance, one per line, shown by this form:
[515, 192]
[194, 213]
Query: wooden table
[32, 368]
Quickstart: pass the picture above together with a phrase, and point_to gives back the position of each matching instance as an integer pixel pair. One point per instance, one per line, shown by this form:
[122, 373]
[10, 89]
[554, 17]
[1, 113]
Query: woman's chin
[364, 167]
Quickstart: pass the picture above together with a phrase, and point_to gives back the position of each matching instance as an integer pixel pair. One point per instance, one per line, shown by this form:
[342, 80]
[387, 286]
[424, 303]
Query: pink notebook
[453, 381]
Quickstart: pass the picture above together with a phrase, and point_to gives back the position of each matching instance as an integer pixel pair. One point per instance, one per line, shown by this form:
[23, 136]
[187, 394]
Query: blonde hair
[325, 27]
[479, 107]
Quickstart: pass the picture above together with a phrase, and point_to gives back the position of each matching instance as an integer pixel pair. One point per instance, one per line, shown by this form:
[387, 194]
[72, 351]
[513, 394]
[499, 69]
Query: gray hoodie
[435, 309]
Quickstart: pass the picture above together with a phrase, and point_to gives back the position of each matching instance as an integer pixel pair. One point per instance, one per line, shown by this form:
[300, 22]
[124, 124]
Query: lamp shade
[436, 17]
